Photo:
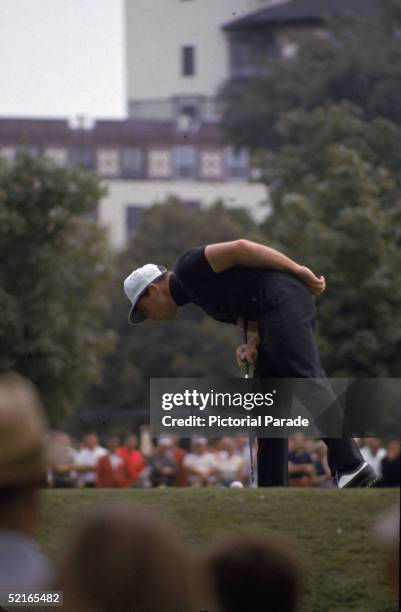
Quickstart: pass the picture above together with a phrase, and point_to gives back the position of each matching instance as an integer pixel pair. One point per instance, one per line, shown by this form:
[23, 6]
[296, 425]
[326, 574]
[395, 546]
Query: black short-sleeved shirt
[225, 296]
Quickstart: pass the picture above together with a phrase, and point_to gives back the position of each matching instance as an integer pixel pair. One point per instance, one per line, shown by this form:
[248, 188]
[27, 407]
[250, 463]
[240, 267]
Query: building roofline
[301, 11]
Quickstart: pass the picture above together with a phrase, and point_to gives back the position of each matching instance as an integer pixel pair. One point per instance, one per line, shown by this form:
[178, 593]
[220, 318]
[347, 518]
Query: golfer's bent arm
[225, 255]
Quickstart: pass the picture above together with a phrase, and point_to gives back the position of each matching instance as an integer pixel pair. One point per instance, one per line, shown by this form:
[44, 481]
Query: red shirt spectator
[132, 456]
[112, 470]
[179, 454]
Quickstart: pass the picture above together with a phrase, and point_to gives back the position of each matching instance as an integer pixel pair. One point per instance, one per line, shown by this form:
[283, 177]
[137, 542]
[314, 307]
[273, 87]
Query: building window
[250, 54]
[188, 112]
[82, 155]
[133, 218]
[188, 61]
[236, 163]
[108, 162]
[159, 163]
[132, 163]
[185, 162]
[242, 60]
[211, 165]
[58, 155]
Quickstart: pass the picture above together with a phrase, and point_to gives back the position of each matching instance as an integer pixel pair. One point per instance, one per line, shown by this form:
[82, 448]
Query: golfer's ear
[156, 288]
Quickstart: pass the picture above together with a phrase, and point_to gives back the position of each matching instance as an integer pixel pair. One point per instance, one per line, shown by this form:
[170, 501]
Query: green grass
[345, 567]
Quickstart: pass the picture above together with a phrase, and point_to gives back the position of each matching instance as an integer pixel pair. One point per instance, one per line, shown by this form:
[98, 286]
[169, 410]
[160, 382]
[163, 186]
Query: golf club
[250, 434]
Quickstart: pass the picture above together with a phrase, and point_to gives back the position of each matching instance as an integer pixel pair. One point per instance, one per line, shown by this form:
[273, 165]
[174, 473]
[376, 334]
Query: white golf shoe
[362, 476]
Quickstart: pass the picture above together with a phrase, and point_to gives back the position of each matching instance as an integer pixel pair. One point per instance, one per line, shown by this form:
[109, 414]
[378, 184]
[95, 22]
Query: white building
[122, 209]
[144, 162]
[141, 164]
[178, 55]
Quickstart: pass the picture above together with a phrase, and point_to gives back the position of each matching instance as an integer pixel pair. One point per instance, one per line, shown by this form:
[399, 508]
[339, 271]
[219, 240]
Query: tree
[359, 61]
[54, 277]
[336, 196]
[192, 346]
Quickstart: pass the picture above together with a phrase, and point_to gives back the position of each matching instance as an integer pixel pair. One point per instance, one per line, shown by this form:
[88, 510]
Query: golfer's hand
[246, 353]
[315, 284]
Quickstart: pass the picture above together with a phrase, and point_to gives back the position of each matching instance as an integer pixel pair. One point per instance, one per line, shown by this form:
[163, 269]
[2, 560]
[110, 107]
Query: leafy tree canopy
[359, 61]
[337, 208]
[54, 280]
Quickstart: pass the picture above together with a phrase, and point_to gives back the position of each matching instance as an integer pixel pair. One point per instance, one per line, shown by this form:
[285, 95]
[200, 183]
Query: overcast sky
[62, 58]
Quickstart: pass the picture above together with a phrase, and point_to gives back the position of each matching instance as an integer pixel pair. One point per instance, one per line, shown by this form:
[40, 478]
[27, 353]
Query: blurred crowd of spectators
[138, 461]
[121, 558]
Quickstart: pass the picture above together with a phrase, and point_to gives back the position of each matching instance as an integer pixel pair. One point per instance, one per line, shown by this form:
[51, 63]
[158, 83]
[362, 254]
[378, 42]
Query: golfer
[243, 280]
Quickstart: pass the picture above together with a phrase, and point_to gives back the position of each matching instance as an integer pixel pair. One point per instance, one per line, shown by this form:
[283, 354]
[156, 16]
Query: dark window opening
[83, 156]
[188, 61]
[237, 163]
[190, 112]
[133, 163]
[185, 162]
[133, 218]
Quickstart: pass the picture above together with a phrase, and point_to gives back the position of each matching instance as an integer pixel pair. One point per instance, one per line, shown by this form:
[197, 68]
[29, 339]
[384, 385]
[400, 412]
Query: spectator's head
[112, 443]
[310, 445]
[241, 442]
[77, 443]
[165, 444]
[23, 460]
[199, 446]
[60, 440]
[320, 450]
[254, 572]
[373, 444]
[123, 559]
[59, 445]
[175, 440]
[393, 449]
[228, 445]
[91, 440]
[298, 442]
[131, 441]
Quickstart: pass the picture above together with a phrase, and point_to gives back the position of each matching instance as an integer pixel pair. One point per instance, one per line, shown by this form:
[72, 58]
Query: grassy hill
[344, 565]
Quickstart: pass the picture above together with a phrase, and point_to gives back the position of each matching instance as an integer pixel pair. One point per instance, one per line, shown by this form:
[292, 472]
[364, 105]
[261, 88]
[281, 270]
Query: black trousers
[288, 350]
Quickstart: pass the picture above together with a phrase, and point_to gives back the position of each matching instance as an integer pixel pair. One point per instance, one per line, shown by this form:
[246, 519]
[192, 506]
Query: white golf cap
[135, 284]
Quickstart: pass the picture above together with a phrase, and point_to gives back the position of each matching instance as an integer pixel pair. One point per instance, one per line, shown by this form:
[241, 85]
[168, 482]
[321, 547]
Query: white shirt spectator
[230, 467]
[115, 461]
[89, 456]
[374, 458]
[202, 464]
